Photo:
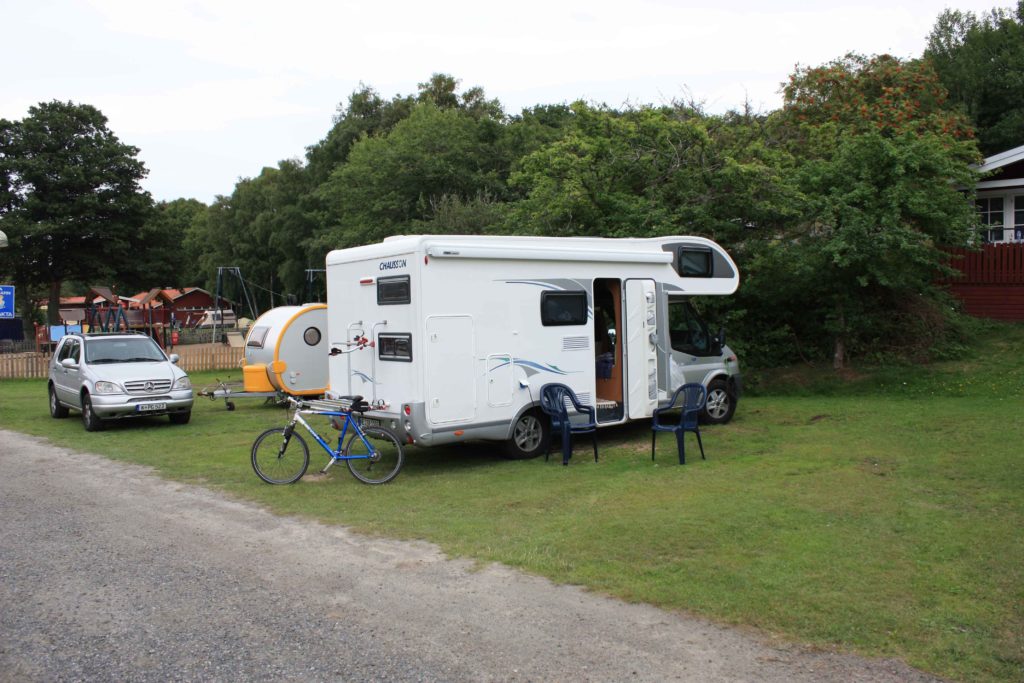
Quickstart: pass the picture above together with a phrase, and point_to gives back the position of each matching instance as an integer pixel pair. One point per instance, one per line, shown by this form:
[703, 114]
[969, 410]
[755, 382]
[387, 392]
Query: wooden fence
[991, 281]
[994, 264]
[29, 365]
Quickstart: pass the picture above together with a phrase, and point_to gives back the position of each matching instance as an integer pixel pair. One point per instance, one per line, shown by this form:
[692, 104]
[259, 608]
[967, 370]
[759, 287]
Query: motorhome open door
[641, 348]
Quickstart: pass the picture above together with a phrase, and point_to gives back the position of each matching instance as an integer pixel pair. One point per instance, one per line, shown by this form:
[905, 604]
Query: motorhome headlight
[183, 383]
[106, 388]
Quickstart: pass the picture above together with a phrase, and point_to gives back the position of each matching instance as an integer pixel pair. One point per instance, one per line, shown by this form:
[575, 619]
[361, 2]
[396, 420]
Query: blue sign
[6, 301]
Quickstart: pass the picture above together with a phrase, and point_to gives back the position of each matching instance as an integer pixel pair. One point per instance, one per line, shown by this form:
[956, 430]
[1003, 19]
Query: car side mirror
[721, 336]
[174, 358]
[69, 363]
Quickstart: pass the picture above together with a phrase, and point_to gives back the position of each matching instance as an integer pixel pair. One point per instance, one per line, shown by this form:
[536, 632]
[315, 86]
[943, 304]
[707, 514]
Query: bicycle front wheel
[280, 456]
[378, 464]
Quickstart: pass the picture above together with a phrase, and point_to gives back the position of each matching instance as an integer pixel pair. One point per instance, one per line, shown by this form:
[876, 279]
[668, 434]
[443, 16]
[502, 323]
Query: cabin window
[311, 336]
[393, 290]
[257, 337]
[563, 308]
[990, 217]
[687, 332]
[395, 347]
[695, 262]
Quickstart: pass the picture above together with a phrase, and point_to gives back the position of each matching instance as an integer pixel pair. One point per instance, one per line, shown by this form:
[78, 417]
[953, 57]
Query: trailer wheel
[530, 436]
[229, 405]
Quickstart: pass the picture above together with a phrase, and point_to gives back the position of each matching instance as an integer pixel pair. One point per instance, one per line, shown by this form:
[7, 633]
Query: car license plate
[147, 407]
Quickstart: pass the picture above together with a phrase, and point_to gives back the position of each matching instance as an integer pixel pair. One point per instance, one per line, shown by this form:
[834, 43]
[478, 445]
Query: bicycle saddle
[358, 405]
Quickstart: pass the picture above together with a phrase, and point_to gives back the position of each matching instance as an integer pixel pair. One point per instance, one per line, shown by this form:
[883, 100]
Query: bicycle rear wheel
[383, 462]
[280, 456]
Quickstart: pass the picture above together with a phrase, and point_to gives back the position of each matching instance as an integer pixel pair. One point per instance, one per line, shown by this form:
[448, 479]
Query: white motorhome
[465, 331]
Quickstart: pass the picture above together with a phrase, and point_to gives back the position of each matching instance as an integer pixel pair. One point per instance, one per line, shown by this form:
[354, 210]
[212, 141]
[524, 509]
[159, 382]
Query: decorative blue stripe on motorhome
[532, 367]
[363, 376]
[538, 283]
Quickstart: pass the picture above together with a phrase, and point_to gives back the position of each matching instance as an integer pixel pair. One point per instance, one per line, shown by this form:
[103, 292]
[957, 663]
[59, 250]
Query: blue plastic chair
[693, 397]
[555, 400]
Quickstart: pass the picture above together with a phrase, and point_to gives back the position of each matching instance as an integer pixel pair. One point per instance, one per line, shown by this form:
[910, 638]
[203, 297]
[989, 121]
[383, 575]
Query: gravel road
[108, 572]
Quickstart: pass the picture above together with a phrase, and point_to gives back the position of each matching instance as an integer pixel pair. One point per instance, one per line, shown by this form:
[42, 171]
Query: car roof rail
[112, 334]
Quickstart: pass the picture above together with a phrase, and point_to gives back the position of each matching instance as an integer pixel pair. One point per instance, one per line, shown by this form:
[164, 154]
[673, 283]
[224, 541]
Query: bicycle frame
[335, 454]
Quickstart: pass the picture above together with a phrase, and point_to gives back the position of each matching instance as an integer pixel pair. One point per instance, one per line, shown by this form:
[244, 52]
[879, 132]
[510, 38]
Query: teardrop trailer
[465, 331]
[285, 355]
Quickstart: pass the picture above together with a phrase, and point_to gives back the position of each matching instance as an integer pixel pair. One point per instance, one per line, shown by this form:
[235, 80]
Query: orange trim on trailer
[277, 353]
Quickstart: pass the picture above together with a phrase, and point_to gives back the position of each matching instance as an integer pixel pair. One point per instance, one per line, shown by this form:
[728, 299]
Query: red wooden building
[992, 280]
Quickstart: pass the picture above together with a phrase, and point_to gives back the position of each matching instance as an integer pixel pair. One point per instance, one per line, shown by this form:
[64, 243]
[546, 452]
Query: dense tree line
[835, 206]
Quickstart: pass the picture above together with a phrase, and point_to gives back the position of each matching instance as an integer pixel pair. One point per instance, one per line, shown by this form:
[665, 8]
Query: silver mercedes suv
[114, 376]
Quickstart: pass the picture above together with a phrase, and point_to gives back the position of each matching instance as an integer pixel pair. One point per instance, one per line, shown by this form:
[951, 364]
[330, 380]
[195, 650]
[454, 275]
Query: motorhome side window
[695, 262]
[687, 332]
[393, 290]
[395, 347]
[563, 308]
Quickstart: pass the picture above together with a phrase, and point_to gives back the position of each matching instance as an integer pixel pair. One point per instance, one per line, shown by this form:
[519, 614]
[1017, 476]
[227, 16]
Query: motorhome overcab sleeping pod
[467, 329]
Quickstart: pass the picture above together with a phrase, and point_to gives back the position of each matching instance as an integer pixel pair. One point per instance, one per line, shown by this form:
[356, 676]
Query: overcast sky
[214, 90]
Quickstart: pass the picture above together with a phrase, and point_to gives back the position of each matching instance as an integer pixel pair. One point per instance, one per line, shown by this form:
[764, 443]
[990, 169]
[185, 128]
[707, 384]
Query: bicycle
[374, 455]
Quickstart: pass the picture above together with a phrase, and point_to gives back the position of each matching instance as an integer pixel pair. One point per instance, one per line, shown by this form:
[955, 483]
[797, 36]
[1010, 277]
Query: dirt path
[109, 572]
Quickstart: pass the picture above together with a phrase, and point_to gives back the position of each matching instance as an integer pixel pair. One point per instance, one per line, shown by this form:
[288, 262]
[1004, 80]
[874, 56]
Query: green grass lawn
[882, 515]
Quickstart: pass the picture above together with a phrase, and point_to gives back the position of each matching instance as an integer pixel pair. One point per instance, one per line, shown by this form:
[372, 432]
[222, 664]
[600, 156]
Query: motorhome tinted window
[257, 337]
[393, 290]
[563, 308]
[695, 262]
[395, 347]
[687, 332]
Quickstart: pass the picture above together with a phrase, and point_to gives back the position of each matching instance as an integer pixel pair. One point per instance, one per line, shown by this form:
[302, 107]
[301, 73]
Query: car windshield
[141, 350]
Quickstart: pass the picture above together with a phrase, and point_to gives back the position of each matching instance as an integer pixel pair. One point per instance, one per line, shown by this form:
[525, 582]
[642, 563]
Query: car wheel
[530, 436]
[180, 418]
[90, 419]
[721, 403]
[57, 411]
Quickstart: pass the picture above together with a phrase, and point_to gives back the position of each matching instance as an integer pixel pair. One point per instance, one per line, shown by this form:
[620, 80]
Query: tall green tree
[393, 181]
[263, 229]
[651, 171]
[881, 162]
[980, 61]
[70, 199]
[172, 224]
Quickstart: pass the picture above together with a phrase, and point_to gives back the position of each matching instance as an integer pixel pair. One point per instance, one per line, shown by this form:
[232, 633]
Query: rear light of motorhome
[407, 409]
[366, 281]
